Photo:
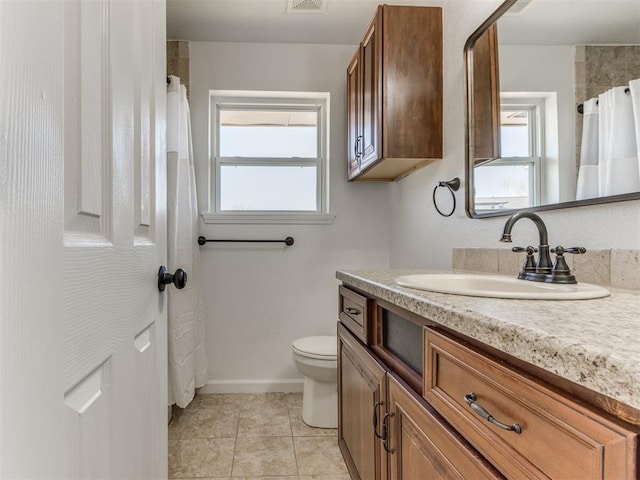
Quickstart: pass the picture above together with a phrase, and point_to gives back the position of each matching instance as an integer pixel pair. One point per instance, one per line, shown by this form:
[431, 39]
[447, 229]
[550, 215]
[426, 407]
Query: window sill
[270, 218]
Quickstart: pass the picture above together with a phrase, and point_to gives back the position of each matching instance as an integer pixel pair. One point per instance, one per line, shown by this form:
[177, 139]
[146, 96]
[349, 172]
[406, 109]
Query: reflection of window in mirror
[527, 174]
[516, 179]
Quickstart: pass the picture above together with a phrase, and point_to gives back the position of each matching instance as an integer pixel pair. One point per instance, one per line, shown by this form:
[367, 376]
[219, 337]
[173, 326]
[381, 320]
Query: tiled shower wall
[615, 268]
[599, 68]
[178, 61]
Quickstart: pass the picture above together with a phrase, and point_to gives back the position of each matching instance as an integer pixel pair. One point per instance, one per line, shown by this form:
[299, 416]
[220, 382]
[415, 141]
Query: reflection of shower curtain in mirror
[187, 356]
[588, 171]
[634, 90]
[611, 115]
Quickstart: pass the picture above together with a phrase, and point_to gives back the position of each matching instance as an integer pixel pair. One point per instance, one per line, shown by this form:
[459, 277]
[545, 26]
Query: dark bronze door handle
[179, 279]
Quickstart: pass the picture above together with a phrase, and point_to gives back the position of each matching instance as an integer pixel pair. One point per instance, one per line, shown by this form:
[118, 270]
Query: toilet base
[320, 403]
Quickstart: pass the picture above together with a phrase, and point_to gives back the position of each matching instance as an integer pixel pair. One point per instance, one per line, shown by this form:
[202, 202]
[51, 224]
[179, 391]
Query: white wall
[261, 297]
[422, 238]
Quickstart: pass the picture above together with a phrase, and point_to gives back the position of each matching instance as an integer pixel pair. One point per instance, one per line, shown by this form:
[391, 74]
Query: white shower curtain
[634, 90]
[610, 151]
[187, 355]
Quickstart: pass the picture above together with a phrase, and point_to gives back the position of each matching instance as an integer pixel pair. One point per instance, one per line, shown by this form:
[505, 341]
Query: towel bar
[287, 241]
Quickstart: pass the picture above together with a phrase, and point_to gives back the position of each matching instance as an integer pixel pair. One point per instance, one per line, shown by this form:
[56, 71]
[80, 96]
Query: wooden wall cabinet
[394, 94]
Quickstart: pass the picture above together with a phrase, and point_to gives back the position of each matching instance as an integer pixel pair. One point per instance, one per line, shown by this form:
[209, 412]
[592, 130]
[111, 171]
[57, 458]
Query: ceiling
[344, 21]
[572, 22]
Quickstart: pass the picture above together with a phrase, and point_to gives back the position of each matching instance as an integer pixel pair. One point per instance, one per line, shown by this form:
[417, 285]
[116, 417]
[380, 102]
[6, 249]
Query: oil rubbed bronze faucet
[541, 270]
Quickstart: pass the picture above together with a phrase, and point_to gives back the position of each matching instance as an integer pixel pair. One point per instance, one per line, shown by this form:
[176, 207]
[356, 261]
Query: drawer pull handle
[352, 311]
[375, 419]
[385, 432]
[470, 398]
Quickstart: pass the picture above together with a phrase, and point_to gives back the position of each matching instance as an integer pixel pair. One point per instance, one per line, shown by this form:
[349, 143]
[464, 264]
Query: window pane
[502, 187]
[278, 188]
[279, 134]
[514, 133]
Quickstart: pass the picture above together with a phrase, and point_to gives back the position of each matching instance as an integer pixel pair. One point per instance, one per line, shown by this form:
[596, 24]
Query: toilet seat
[320, 347]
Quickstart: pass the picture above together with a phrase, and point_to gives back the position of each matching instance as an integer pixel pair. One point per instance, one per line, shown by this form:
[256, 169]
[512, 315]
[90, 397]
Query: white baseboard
[252, 386]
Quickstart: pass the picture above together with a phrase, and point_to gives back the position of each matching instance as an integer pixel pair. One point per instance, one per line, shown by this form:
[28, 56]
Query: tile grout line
[235, 442]
[293, 442]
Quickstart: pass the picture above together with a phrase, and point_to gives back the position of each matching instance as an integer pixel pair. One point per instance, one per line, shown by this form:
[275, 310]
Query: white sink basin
[499, 286]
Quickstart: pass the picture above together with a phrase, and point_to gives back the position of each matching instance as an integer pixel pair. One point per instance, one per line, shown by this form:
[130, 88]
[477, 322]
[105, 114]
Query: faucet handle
[561, 250]
[530, 263]
[530, 249]
[561, 267]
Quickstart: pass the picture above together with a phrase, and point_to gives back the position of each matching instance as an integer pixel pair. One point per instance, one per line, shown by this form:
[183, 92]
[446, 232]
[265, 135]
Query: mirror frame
[469, 141]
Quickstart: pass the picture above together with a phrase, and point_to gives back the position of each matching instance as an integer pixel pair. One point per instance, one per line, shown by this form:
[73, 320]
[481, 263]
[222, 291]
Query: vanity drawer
[354, 312]
[559, 438]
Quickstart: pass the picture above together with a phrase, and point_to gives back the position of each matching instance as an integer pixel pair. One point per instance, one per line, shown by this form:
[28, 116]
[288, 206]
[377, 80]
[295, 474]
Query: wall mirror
[528, 67]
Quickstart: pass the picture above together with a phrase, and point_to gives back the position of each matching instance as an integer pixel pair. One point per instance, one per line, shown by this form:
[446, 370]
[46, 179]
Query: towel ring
[453, 186]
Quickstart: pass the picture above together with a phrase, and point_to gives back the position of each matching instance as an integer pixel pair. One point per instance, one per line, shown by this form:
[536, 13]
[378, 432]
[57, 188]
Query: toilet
[317, 359]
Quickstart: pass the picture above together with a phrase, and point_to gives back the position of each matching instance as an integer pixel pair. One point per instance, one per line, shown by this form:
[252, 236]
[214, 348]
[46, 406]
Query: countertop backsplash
[610, 268]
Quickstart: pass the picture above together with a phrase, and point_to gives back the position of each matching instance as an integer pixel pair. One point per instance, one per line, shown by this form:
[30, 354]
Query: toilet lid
[322, 346]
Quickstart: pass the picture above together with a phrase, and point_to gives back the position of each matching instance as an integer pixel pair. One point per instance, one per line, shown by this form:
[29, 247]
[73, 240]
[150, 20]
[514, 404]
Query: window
[513, 181]
[269, 157]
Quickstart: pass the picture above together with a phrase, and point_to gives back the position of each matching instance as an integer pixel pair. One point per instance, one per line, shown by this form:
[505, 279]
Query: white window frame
[290, 101]
[535, 107]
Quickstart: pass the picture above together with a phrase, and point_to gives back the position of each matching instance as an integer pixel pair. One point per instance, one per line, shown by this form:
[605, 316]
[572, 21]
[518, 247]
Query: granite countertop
[594, 343]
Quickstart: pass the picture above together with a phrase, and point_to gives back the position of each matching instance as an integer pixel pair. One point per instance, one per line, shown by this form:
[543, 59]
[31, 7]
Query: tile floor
[251, 437]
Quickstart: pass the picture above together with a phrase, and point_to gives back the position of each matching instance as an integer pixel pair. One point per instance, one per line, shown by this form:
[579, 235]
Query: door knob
[179, 279]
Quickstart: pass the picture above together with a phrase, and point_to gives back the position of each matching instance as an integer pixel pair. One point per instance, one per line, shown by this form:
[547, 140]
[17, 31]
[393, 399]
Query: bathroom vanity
[434, 385]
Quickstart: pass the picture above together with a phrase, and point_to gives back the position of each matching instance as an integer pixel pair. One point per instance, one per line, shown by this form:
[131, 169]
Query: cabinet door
[423, 447]
[362, 400]
[354, 116]
[371, 88]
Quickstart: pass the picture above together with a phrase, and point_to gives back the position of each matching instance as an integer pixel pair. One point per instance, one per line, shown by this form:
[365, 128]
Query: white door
[82, 236]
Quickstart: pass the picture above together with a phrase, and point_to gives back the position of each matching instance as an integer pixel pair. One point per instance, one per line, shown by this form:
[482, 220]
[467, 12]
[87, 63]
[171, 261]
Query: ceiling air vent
[306, 6]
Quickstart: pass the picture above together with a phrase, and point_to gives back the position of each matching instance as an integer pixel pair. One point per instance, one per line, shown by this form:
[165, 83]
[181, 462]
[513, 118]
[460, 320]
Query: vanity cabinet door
[524, 428]
[422, 446]
[362, 400]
